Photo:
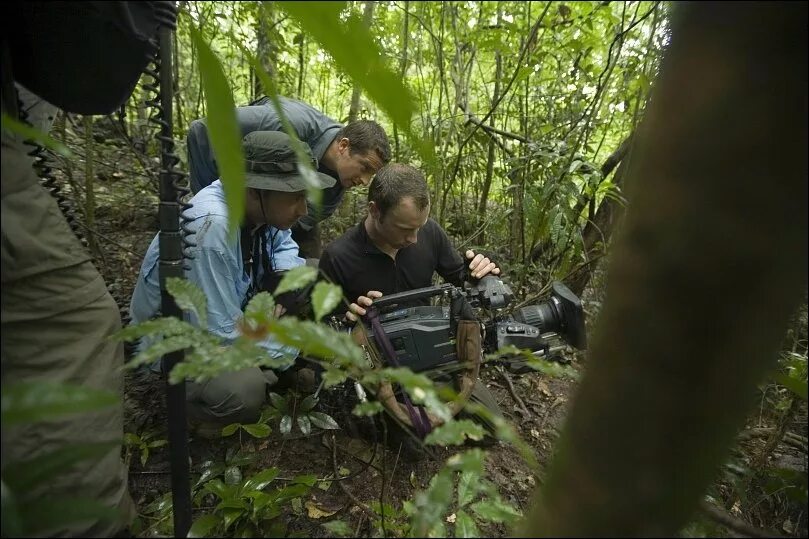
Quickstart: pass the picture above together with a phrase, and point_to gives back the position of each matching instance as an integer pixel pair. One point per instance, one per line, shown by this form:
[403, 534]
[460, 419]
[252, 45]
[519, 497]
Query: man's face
[280, 209]
[355, 168]
[399, 227]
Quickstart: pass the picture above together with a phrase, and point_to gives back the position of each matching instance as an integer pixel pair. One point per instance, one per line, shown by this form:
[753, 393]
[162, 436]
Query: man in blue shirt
[351, 154]
[231, 268]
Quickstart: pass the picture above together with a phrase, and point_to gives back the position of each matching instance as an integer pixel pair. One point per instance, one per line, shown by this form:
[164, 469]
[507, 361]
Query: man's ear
[344, 144]
[373, 211]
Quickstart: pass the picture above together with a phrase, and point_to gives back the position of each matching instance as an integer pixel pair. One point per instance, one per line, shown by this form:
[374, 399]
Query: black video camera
[423, 336]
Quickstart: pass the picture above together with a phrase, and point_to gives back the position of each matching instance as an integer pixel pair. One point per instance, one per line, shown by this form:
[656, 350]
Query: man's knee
[229, 398]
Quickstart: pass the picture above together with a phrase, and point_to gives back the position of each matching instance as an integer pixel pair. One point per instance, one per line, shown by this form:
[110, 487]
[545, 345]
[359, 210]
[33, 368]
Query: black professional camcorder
[423, 336]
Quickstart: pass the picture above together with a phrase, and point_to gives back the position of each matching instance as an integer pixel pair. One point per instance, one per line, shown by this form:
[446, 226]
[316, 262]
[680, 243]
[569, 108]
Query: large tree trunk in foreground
[709, 264]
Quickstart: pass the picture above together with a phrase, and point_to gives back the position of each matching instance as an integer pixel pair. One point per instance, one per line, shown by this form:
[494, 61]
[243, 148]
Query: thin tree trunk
[354, 110]
[402, 71]
[301, 63]
[89, 177]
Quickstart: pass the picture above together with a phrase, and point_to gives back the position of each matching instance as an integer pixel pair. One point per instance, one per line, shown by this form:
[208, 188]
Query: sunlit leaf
[261, 479]
[257, 430]
[304, 424]
[26, 132]
[465, 526]
[455, 433]
[325, 297]
[286, 425]
[223, 129]
[296, 278]
[189, 297]
[260, 308]
[367, 408]
[467, 487]
[323, 421]
[317, 340]
[495, 511]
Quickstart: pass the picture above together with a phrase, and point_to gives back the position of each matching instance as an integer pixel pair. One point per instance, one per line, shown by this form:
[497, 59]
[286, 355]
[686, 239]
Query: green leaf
[295, 279]
[189, 297]
[465, 526]
[304, 424]
[228, 430]
[317, 340]
[260, 308]
[218, 488]
[231, 515]
[286, 425]
[26, 132]
[204, 525]
[257, 430]
[144, 455]
[323, 421]
[468, 461]
[309, 480]
[308, 403]
[28, 402]
[223, 129]
[325, 297]
[455, 433]
[165, 346]
[233, 475]
[279, 402]
[495, 511]
[48, 514]
[261, 479]
[467, 487]
[338, 528]
[796, 386]
[367, 408]
[166, 326]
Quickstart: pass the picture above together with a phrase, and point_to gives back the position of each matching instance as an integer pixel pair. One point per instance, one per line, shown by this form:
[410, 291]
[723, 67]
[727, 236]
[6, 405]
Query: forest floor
[125, 223]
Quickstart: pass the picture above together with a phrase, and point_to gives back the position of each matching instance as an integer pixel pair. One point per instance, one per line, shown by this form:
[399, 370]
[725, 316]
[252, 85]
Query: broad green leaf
[455, 433]
[157, 443]
[218, 488]
[28, 402]
[323, 421]
[223, 129]
[294, 491]
[367, 408]
[228, 430]
[209, 469]
[317, 340]
[796, 386]
[465, 525]
[261, 479]
[209, 359]
[231, 515]
[189, 297]
[286, 425]
[295, 279]
[233, 475]
[257, 430]
[308, 403]
[204, 525]
[337, 528]
[279, 402]
[26, 132]
[304, 424]
[420, 388]
[332, 377]
[495, 511]
[325, 297]
[309, 480]
[50, 513]
[260, 308]
[131, 439]
[468, 461]
[467, 487]
[144, 455]
[232, 503]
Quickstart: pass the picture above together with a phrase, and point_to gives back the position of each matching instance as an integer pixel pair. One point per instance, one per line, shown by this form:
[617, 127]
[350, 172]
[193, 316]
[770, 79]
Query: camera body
[423, 337]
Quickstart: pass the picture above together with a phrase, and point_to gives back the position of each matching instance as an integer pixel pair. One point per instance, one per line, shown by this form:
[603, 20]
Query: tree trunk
[265, 48]
[89, 180]
[353, 112]
[402, 71]
[682, 341]
[487, 182]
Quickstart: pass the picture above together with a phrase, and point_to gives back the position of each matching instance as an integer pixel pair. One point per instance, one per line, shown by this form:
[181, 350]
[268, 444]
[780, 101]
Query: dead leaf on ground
[318, 511]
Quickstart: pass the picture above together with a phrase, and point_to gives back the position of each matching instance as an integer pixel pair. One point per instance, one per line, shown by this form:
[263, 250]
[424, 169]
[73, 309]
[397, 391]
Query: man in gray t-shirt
[351, 154]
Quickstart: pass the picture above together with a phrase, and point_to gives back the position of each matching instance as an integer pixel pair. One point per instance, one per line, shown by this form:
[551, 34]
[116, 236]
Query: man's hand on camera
[480, 265]
[357, 309]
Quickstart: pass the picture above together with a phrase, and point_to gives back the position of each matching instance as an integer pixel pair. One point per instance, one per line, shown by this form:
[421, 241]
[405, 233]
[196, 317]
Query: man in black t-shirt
[397, 247]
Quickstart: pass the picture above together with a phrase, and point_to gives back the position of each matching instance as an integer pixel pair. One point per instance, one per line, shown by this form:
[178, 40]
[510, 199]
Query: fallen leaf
[451, 518]
[318, 511]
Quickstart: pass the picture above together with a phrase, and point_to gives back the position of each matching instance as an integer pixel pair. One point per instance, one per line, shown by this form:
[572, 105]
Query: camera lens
[544, 316]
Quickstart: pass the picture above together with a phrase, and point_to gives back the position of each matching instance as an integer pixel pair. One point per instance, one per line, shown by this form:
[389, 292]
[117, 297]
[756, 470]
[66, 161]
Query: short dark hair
[366, 136]
[395, 182]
